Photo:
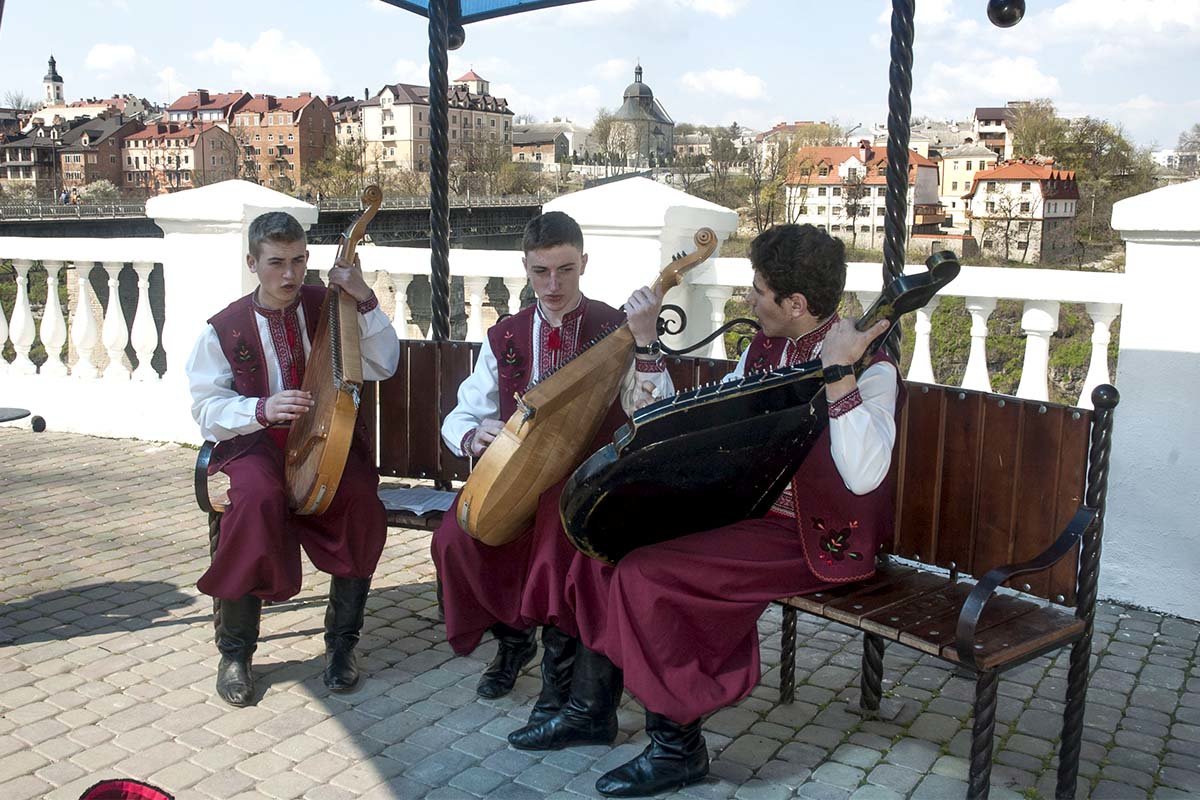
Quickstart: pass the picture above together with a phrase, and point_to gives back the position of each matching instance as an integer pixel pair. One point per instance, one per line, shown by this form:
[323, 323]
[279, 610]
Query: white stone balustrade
[921, 367]
[21, 328]
[115, 333]
[84, 330]
[474, 287]
[54, 328]
[143, 334]
[976, 375]
[1039, 321]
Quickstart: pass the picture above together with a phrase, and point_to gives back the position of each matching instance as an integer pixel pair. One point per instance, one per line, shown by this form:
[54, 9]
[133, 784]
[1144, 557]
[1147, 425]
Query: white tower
[53, 84]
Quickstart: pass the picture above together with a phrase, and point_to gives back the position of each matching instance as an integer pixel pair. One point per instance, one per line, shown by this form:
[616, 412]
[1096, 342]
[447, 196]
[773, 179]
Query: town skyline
[1126, 62]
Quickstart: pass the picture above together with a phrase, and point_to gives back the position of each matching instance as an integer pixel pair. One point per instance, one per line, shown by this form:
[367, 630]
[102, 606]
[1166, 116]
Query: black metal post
[895, 232]
[439, 168]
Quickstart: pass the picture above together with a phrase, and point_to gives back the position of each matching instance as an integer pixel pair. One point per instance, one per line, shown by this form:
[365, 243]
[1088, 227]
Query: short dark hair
[802, 259]
[550, 230]
[274, 226]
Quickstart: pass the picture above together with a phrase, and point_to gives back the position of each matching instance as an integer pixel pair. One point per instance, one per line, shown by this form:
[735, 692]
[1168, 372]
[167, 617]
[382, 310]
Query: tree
[724, 155]
[856, 196]
[1189, 140]
[342, 174]
[1037, 130]
[18, 100]
[601, 129]
[1005, 224]
[767, 174]
[100, 191]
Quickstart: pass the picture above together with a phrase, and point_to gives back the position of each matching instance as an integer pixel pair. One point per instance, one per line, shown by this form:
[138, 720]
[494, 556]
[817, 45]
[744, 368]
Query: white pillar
[515, 286]
[474, 287]
[1102, 315]
[1151, 540]
[115, 332]
[400, 321]
[84, 330]
[54, 327]
[717, 297]
[144, 333]
[21, 329]
[976, 375]
[921, 368]
[1039, 321]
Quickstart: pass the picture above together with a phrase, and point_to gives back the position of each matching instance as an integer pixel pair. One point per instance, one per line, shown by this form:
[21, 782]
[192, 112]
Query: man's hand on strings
[642, 309]
[350, 278]
[485, 434]
[288, 405]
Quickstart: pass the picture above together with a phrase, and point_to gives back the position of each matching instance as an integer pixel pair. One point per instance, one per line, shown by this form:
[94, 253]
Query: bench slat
[940, 632]
[1040, 628]
[878, 595]
[894, 620]
[816, 602]
[1038, 520]
[999, 469]
[1072, 480]
[957, 501]
[919, 478]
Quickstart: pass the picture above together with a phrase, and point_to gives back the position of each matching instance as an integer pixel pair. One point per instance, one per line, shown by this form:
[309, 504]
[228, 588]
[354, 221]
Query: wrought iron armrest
[972, 609]
[201, 481]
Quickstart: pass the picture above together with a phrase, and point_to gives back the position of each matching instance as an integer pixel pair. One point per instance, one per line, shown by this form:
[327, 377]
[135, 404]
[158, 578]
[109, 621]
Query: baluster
[54, 327]
[1039, 321]
[921, 368]
[144, 332]
[21, 328]
[473, 289]
[115, 332]
[402, 321]
[717, 297]
[515, 286]
[84, 330]
[1102, 315]
[976, 375]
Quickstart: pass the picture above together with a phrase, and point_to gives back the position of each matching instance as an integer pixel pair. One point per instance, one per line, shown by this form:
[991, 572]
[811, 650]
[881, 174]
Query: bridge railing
[458, 201]
[33, 211]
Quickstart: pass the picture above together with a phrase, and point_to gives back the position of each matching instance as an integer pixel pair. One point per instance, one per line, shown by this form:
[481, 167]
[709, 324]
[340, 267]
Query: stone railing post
[21, 329]
[976, 375]
[717, 297]
[143, 334]
[84, 330]
[475, 287]
[1102, 315]
[1039, 321]
[115, 332]
[54, 327]
[921, 367]
[1150, 539]
[515, 286]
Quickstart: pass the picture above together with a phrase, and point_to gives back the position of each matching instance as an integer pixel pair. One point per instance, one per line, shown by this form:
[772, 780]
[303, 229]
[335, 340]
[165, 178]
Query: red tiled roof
[1058, 184]
[171, 130]
[201, 100]
[470, 76]
[833, 157]
[263, 103]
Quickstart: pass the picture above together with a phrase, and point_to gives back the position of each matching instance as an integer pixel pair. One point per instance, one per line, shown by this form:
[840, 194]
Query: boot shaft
[346, 610]
[237, 624]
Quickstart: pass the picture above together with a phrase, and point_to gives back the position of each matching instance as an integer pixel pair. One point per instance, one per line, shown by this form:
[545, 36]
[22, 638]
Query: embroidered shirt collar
[812, 338]
[274, 312]
[572, 315]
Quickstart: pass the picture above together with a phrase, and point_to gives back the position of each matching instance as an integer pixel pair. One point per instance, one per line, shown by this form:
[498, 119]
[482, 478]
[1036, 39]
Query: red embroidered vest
[512, 343]
[841, 532]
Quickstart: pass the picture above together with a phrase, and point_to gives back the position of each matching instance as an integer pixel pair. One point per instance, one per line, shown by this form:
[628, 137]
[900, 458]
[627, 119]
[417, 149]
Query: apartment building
[280, 138]
[91, 151]
[29, 161]
[956, 174]
[1024, 210]
[991, 129]
[844, 189]
[170, 156]
[202, 106]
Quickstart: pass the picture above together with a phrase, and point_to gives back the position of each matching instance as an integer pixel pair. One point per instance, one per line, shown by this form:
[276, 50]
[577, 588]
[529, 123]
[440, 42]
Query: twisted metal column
[981, 735]
[895, 231]
[1104, 400]
[872, 672]
[787, 657]
[439, 168]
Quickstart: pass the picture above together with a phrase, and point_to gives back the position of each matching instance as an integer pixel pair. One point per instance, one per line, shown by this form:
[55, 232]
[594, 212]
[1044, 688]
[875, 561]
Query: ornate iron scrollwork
[666, 326]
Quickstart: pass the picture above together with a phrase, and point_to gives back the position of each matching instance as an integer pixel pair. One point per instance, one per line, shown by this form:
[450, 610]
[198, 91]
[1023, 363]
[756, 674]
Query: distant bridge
[474, 221]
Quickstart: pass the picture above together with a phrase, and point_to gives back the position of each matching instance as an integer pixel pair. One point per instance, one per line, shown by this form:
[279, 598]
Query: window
[837, 191]
[821, 210]
[837, 211]
[1023, 226]
[991, 186]
[836, 227]
[493, 123]
[864, 229]
[291, 137]
[821, 192]
[991, 207]
[1022, 245]
[1024, 208]
[881, 192]
[803, 209]
[882, 169]
[823, 171]
[1024, 186]
[881, 211]
[968, 166]
[953, 185]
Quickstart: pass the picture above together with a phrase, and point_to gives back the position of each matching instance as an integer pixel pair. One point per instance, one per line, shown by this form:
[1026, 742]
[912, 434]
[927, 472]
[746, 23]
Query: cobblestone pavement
[106, 670]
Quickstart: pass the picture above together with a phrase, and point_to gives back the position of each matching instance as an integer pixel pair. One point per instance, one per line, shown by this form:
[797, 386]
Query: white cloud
[112, 59]
[613, 68]
[170, 85]
[271, 64]
[408, 71]
[718, 8]
[948, 89]
[578, 104]
[733, 82]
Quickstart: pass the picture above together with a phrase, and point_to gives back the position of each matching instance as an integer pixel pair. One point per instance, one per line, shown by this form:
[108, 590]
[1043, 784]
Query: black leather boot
[590, 713]
[558, 662]
[517, 648]
[237, 638]
[675, 757]
[343, 622]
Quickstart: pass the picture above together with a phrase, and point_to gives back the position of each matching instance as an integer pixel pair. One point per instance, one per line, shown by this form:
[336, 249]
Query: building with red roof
[1024, 210]
[280, 138]
[204, 106]
[843, 190]
[170, 156]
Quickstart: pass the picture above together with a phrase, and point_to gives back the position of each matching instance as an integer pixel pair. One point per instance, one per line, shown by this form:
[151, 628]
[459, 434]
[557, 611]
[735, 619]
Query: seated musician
[246, 373]
[680, 617]
[505, 589]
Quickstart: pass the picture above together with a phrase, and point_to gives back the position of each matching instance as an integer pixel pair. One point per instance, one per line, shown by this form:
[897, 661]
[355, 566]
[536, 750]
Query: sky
[756, 62]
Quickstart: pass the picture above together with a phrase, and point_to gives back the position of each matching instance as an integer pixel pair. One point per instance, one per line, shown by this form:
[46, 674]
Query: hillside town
[974, 186]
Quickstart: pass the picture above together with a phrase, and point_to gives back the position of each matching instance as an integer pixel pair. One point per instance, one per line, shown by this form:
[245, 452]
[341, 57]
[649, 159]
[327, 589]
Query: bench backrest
[984, 480]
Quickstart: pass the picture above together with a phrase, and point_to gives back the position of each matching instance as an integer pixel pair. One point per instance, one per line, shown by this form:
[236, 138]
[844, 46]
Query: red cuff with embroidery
[465, 444]
[845, 404]
[368, 305]
[260, 412]
[644, 365]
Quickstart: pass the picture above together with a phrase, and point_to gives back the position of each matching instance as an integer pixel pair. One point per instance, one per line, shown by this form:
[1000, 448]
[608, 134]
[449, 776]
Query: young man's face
[776, 317]
[280, 267]
[554, 273]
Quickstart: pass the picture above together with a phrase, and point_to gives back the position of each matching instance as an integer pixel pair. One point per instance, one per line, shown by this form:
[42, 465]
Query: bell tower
[53, 84]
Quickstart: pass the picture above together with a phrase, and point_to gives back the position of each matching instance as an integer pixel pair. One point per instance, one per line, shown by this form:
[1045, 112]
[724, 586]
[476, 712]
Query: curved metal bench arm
[203, 458]
[972, 610]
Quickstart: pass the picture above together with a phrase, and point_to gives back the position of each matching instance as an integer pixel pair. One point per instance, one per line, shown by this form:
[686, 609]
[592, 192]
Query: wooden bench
[987, 485]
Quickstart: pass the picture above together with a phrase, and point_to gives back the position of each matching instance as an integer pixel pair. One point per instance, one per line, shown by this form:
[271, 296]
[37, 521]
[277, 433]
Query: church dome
[637, 89]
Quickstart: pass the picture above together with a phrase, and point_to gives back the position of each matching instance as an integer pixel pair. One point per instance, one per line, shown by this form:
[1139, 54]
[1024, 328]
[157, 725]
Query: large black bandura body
[718, 454]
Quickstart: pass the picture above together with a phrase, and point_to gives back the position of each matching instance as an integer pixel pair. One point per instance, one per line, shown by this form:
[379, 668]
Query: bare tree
[1189, 140]
[856, 196]
[767, 173]
[19, 100]
[1008, 222]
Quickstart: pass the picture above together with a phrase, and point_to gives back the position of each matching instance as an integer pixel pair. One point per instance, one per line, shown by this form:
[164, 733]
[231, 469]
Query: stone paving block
[815, 790]
[761, 790]
[751, 751]
[25, 787]
[1111, 790]
[543, 777]
[841, 775]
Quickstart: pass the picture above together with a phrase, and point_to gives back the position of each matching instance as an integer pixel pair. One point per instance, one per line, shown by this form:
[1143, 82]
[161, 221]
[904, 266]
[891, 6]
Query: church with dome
[642, 130]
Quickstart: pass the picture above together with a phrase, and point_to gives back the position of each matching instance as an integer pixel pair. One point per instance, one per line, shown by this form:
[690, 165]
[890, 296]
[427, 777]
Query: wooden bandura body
[553, 426]
[319, 441]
